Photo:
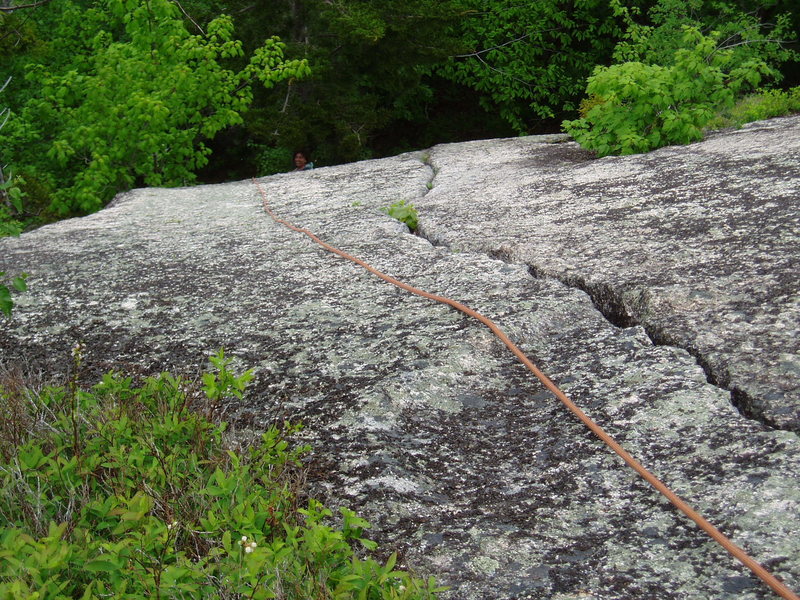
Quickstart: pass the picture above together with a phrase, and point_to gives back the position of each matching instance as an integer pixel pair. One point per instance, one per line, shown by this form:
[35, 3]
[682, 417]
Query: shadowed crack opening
[426, 160]
[610, 304]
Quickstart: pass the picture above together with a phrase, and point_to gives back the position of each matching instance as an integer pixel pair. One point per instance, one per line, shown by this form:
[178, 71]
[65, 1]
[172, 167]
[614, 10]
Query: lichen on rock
[419, 417]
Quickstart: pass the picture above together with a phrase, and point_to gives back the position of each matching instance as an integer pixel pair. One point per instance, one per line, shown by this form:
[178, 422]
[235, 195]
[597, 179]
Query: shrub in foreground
[126, 491]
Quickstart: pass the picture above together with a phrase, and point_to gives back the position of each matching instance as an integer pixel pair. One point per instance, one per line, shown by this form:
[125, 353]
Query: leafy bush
[404, 212]
[136, 103]
[761, 33]
[10, 206]
[529, 60]
[271, 160]
[10, 194]
[636, 107]
[125, 491]
[765, 104]
[18, 283]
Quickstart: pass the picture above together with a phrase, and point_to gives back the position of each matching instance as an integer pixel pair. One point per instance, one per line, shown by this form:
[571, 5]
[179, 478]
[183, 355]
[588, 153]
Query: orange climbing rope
[719, 537]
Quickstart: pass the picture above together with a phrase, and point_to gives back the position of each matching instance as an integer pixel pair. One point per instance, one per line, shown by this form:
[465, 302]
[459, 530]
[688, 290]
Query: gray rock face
[699, 246]
[421, 420]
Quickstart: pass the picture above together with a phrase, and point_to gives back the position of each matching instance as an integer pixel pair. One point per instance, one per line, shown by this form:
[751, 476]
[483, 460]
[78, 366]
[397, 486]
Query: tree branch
[747, 42]
[188, 16]
[503, 73]
[484, 51]
[32, 5]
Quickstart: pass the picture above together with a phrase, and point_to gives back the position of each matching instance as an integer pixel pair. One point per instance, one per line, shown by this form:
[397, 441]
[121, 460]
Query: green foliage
[125, 491]
[368, 58]
[530, 60]
[135, 101]
[765, 104]
[9, 224]
[271, 160]
[10, 194]
[221, 384]
[636, 107]
[11, 206]
[17, 283]
[122, 93]
[404, 212]
[655, 37]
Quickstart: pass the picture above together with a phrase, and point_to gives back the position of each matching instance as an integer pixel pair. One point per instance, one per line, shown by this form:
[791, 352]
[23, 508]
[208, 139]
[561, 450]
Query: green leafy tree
[10, 203]
[754, 30]
[530, 60]
[635, 107]
[136, 100]
[10, 194]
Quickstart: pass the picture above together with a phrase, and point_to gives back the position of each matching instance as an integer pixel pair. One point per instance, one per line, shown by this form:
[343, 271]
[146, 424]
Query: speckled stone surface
[697, 244]
[420, 419]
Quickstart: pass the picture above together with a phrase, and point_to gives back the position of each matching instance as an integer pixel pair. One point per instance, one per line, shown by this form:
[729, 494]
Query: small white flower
[248, 549]
[252, 546]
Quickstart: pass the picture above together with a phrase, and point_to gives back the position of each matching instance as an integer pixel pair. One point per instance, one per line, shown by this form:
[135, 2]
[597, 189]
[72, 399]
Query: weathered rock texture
[420, 419]
[700, 247]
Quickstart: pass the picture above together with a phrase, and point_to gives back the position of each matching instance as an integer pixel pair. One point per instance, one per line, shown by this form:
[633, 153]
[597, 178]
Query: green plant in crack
[404, 212]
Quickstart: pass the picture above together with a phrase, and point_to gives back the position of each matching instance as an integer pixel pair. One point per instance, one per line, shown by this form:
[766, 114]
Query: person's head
[301, 159]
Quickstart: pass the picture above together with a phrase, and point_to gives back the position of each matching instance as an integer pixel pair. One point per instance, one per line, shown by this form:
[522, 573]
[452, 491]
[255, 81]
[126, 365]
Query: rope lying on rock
[738, 553]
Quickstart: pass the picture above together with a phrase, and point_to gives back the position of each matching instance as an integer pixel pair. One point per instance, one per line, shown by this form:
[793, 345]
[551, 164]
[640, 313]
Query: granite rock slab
[420, 418]
[698, 244]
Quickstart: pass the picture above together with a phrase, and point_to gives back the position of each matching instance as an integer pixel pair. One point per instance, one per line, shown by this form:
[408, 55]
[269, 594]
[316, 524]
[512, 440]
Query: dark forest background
[104, 95]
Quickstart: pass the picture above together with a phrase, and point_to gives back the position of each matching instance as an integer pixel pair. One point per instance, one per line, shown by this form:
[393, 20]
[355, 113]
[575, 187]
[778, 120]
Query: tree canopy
[103, 95]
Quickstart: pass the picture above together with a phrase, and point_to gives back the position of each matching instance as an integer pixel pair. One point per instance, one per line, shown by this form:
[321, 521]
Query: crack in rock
[420, 420]
[614, 308]
[697, 244]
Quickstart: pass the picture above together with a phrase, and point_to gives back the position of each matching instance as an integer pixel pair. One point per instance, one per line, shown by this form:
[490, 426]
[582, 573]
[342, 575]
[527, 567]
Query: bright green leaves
[654, 38]
[530, 60]
[635, 107]
[222, 383]
[764, 104]
[268, 65]
[672, 81]
[150, 503]
[17, 283]
[135, 107]
[404, 212]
